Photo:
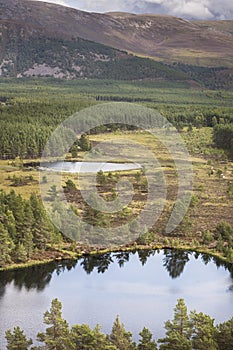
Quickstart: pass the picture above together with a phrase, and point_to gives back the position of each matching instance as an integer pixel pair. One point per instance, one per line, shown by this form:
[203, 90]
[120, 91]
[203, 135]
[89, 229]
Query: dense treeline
[31, 110]
[25, 126]
[134, 67]
[27, 121]
[186, 331]
[211, 77]
[25, 228]
[181, 116]
[22, 140]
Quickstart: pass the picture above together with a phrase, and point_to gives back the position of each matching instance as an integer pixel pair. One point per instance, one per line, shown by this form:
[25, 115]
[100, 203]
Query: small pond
[89, 167]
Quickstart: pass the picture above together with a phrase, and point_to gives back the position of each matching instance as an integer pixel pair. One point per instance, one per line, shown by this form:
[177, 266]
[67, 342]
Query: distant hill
[39, 38]
[25, 54]
[202, 43]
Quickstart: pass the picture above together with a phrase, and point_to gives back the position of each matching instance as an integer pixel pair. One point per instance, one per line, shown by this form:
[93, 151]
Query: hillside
[208, 43]
[42, 39]
[39, 39]
[27, 56]
[158, 36]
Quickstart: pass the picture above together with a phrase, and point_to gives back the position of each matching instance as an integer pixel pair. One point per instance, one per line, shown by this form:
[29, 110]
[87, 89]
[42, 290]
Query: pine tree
[120, 337]
[74, 151]
[70, 186]
[42, 229]
[146, 342]
[10, 224]
[100, 177]
[28, 244]
[6, 246]
[20, 253]
[28, 218]
[101, 341]
[84, 143]
[57, 335]
[225, 335]
[17, 340]
[52, 192]
[178, 331]
[17, 208]
[83, 337]
[94, 213]
[204, 331]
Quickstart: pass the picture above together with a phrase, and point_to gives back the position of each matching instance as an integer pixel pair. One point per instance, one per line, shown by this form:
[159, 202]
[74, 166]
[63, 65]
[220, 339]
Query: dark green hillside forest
[31, 109]
[186, 331]
[41, 56]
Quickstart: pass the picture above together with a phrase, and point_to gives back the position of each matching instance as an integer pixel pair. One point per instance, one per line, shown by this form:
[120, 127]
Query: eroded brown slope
[161, 37]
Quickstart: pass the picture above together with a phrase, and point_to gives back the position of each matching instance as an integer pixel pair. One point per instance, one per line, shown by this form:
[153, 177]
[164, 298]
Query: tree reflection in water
[122, 258]
[38, 277]
[100, 261]
[144, 255]
[175, 261]
[34, 277]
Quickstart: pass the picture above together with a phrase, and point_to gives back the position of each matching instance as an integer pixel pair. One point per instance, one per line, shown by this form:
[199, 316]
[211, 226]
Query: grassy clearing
[212, 179]
[210, 188]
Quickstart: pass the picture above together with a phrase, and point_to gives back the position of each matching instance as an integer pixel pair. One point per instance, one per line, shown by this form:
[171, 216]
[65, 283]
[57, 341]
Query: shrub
[223, 231]
[194, 201]
[207, 237]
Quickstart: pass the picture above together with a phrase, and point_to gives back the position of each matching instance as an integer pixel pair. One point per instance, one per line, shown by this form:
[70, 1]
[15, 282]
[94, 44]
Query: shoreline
[69, 255]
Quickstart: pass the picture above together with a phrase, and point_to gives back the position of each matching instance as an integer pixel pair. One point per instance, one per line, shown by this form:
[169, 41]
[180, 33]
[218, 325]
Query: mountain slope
[25, 55]
[158, 36]
[41, 39]
[175, 39]
[35, 41]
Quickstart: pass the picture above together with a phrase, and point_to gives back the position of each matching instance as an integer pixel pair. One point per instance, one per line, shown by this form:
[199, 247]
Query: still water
[90, 167]
[142, 287]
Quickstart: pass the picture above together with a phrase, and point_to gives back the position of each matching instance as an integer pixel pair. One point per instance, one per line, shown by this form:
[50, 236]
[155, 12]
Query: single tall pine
[120, 337]
[178, 331]
[57, 335]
